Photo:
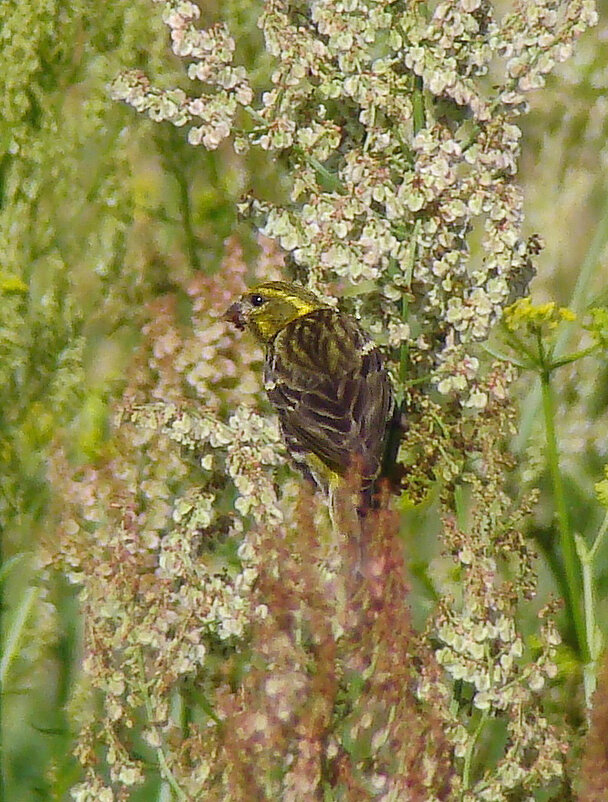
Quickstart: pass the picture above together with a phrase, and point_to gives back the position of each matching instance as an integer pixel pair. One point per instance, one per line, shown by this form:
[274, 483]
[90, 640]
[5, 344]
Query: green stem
[600, 536]
[17, 632]
[578, 303]
[590, 628]
[418, 105]
[594, 635]
[574, 357]
[468, 758]
[519, 345]
[187, 220]
[177, 170]
[567, 543]
[165, 769]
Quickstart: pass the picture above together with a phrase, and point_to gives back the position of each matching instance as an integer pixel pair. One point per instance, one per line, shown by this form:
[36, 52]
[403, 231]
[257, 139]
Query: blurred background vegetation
[101, 211]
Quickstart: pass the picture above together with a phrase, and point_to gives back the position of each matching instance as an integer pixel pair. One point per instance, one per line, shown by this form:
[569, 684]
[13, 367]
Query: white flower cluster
[247, 445]
[398, 146]
[211, 51]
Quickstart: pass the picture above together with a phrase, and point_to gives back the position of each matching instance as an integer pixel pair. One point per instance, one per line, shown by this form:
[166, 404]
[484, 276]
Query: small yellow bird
[326, 380]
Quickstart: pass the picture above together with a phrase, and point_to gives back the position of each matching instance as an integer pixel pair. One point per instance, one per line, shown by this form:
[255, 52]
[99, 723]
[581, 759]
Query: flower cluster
[212, 53]
[305, 674]
[166, 547]
[481, 646]
[524, 316]
[204, 587]
[399, 150]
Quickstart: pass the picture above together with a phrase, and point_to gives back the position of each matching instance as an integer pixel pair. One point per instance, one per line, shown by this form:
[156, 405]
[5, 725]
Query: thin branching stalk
[567, 543]
[593, 631]
[164, 768]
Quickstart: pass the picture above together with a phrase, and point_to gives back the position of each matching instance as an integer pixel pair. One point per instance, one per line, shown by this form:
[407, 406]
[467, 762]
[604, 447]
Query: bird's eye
[257, 300]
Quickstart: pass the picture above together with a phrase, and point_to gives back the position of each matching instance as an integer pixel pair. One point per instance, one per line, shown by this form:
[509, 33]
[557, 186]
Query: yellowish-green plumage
[282, 303]
[324, 376]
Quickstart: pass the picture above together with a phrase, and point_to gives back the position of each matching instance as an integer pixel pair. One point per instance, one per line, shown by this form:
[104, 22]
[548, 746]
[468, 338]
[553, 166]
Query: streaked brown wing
[331, 391]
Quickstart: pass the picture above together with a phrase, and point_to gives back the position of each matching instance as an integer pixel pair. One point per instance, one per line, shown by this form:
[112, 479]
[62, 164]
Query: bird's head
[269, 307]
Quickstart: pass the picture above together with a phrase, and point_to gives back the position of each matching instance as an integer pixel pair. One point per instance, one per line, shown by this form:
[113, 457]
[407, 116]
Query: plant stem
[418, 105]
[578, 303]
[17, 632]
[567, 544]
[468, 758]
[164, 768]
[594, 634]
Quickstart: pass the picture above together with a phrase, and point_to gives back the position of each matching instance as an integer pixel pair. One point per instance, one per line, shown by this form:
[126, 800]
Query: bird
[327, 381]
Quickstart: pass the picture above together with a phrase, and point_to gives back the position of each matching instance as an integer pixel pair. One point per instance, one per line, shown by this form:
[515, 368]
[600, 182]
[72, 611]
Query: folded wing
[332, 393]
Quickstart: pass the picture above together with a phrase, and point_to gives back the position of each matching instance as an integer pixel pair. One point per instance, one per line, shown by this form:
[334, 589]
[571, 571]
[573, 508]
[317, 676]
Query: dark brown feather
[331, 391]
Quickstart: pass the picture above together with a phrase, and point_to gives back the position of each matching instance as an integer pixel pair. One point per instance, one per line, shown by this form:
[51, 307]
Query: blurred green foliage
[97, 217]
[100, 211]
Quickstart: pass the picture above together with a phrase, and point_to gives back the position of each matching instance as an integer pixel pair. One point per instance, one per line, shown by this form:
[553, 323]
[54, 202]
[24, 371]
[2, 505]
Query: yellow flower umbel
[326, 379]
[523, 315]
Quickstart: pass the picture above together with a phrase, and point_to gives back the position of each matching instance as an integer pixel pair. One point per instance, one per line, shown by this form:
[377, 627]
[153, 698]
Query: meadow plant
[402, 139]
[86, 209]
[236, 655]
[594, 770]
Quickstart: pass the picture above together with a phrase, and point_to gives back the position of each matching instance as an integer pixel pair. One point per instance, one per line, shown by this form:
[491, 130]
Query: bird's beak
[234, 314]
